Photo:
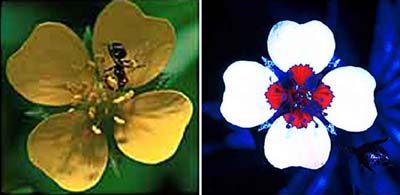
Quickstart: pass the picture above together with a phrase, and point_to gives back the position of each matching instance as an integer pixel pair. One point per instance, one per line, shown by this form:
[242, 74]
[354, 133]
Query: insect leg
[366, 165]
[109, 69]
[132, 64]
[380, 141]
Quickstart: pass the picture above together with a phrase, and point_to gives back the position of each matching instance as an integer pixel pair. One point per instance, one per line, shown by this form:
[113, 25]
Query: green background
[18, 116]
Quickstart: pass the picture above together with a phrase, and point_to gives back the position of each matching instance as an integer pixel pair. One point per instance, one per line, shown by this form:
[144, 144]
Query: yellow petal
[65, 148]
[52, 59]
[148, 41]
[154, 125]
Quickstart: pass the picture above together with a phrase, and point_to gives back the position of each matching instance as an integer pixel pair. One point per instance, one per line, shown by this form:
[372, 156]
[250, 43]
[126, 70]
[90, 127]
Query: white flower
[297, 97]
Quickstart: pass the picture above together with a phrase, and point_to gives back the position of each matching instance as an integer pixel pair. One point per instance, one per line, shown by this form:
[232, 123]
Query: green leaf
[179, 12]
[23, 190]
[186, 54]
[87, 40]
[114, 165]
[37, 112]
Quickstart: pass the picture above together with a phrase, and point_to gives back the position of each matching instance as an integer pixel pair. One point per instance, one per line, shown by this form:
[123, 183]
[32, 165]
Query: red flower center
[302, 94]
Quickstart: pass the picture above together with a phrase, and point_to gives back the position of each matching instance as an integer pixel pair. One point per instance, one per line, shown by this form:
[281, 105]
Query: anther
[77, 97]
[93, 97]
[104, 96]
[112, 82]
[118, 99]
[128, 95]
[96, 130]
[92, 112]
[308, 95]
[119, 120]
[71, 110]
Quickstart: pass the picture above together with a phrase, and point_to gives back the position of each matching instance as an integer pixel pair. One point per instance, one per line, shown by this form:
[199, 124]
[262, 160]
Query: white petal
[244, 103]
[290, 43]
[352, 107]
[306, 147]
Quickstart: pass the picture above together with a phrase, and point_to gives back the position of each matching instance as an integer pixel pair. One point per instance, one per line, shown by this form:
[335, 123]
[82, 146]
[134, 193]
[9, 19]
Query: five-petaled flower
[53, 68]
[300, 96]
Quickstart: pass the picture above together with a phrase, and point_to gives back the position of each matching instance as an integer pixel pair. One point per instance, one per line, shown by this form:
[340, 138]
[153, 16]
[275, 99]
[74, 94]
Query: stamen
[104, 96]
[308, 95]
[118, 99]
[128, 95]
[96, 130]
[111, 82]
[71, 110]
[293, 97]
[119, 120]
[92, 112]
[77, 97]
[93, 97]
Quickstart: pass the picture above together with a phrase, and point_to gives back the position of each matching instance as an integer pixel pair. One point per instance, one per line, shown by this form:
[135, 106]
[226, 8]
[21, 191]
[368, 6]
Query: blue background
[367, 35]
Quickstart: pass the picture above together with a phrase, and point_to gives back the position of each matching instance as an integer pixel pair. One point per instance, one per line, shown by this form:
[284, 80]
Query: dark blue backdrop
[367, 35]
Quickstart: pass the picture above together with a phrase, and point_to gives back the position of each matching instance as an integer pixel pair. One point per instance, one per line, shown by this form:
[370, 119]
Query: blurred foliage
[19, 116]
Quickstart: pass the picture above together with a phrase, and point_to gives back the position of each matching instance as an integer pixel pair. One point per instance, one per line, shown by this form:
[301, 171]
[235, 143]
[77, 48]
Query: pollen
[118, 99]
[128, 95]
[93, 97]
[104, 96]
[92, 112]
[111, 82]
[77, 97]
[119, 120]
[96, 130]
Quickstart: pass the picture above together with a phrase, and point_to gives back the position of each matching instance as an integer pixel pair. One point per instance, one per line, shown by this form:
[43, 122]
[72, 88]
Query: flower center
[299, 96]
[98, 103]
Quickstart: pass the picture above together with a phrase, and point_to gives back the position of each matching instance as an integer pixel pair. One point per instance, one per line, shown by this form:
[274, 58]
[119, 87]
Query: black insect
[118, 53]
[371, 153]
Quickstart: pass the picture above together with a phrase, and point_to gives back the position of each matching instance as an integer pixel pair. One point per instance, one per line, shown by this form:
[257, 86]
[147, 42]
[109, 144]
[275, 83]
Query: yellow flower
[53, 68]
